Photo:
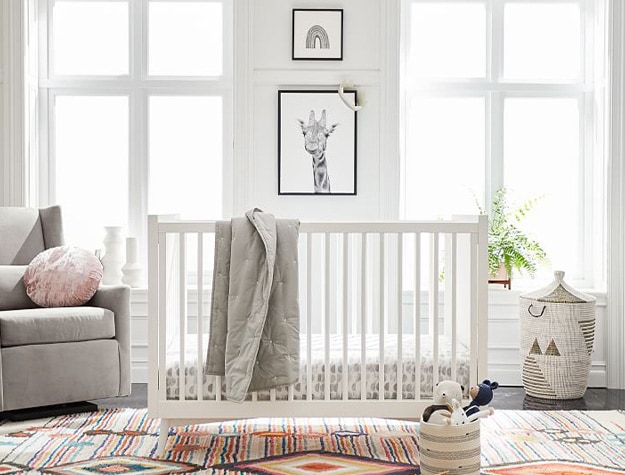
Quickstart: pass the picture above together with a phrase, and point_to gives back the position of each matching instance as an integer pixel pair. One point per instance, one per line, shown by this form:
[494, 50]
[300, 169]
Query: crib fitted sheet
[336, 368]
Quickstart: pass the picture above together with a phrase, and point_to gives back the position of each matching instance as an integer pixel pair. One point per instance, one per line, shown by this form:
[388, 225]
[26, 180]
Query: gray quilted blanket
[254, 326]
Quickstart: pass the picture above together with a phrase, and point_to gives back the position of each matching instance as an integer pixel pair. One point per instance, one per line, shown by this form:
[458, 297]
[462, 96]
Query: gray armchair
[55, 355]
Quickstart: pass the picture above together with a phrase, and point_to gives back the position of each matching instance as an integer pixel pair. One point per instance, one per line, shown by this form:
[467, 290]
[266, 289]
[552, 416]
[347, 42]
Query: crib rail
[372, 296]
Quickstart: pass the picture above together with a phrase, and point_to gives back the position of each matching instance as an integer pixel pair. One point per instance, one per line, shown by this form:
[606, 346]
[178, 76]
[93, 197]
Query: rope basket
[557, 339]
[450, 450]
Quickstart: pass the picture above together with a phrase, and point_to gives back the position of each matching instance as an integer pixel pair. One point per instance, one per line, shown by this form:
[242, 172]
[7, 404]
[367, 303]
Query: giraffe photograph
[316, 143]
[317, 35]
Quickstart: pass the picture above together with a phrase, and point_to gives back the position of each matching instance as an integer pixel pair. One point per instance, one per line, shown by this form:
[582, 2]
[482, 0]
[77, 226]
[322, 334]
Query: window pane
[90, 38]
[185, 39]
[447, 40]
[186, 154]
[541, 159]
[445, 156]
[542, 41]
[91, 166]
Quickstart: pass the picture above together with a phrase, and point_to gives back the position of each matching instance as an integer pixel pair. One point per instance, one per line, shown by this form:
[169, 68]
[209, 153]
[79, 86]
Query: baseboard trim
[512, 377]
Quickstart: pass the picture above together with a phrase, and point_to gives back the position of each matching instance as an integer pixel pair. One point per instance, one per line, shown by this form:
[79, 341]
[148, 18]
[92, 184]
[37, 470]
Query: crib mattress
[337, 370]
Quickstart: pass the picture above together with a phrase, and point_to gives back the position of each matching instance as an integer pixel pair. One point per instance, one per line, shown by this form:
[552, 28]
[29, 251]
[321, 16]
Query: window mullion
[44, 115]
[494, 113]
[489, 41]
[587, 43]
[135, 18]
[51, 148]
[588, 166]
[495, 164]
[137, 163]
[495, 19]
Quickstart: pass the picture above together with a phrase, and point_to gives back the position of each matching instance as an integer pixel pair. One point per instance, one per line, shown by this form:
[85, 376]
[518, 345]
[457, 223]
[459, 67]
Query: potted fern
[508, 246]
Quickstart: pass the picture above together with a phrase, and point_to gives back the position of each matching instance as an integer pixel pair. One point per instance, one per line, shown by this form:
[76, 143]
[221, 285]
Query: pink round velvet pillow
[63, 276]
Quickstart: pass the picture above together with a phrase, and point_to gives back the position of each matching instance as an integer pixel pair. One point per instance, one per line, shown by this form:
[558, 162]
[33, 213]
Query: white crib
[402, 303]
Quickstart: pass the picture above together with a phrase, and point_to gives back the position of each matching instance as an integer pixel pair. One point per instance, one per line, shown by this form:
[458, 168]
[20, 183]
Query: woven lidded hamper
[557, 338]
[452, 450]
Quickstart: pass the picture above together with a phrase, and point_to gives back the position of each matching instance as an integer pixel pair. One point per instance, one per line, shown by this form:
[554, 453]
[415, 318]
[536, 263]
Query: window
[509, 93]
[136, 112]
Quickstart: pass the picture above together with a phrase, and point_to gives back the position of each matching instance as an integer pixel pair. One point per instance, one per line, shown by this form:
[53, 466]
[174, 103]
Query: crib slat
[183, 312]
[416, 314]
[450, 295]
[218, 383]
[381, 317]
[326, 372]
[309, 316]
[434, 272]
[473, 374]
[162, 316]
[400, 331]
[200, 316]
[363, 311]
[479, 276]
[345, 374]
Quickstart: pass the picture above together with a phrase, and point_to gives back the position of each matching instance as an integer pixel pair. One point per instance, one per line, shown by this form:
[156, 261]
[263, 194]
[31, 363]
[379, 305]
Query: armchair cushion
[55, 325]
[12, 291]
[63, 276]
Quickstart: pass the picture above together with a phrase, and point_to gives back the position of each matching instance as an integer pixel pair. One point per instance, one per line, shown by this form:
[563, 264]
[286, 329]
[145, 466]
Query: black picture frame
[317, 27]
[302, 170]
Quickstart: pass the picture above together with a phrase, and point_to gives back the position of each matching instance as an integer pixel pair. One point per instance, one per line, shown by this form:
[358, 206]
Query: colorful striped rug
[124, 441]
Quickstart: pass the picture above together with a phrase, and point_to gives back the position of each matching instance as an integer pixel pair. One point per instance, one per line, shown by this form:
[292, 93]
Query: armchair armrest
[117, 299]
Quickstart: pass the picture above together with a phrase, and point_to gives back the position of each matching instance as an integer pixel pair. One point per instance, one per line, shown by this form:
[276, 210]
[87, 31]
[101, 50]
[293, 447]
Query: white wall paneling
[616, 199]
[503, 334]
[362, 27]
[364, 63]
[12, 156]
[3, 47]
[243, 163]
[139, 335]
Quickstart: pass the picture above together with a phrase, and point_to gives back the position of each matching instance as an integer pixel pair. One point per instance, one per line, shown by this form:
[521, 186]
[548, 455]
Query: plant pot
[501, 277]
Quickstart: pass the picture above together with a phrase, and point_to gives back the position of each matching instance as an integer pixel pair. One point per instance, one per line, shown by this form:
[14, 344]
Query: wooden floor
[505, 398]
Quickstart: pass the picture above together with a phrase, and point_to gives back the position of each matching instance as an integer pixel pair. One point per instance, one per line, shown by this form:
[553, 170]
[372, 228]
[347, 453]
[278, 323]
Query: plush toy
[458, 417]
[480, 395]
[447, 390]
[488, 411]
[444, 392]
[436, 414]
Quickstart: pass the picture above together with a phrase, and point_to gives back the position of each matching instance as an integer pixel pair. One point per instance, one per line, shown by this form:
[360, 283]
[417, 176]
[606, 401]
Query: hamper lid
[559, 291]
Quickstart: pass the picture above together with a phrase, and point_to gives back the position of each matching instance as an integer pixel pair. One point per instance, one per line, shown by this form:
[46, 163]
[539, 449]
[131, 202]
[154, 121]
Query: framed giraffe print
[316, 143]
[317, 35]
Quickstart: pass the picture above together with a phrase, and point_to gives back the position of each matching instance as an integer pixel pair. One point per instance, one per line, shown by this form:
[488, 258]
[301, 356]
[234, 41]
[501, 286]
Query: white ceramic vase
[113, 259]
[131, 272]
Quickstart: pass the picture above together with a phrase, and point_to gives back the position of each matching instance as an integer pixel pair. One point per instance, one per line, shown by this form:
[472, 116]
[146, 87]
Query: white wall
[271, 69]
